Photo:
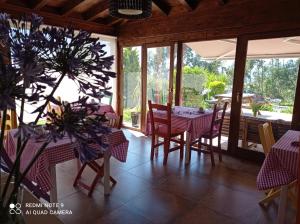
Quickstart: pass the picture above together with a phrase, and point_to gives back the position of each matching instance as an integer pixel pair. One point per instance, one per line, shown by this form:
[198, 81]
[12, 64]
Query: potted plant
[135, 116]
[33, 59]
[135, 112]
[256, 107]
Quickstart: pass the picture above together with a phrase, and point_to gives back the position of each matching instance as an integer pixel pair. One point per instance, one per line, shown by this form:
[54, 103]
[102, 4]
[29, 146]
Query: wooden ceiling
[93, 15]
[171, 20]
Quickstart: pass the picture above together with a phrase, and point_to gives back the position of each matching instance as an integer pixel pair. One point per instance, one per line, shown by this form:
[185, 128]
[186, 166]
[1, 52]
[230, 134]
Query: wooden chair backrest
[56, 108]
[266, 136]
[218, 118]
[11, 121]
[115, 122]
[164, 119]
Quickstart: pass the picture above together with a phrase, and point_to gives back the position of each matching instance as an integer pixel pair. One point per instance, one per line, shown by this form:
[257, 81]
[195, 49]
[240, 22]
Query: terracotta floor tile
[202, 215]
[160, 206]
[148, 192]
[121, 216]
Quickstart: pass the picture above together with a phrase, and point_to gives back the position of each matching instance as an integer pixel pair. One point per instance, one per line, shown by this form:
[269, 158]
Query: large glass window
[269, 88]
[132, 86]
[158, 73]
[68, 89]
[207, 77]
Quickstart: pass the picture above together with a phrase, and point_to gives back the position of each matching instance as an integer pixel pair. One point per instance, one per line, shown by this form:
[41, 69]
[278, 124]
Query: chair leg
[114, 182]
[211, 153]
[156, 149]
[152, 146]
[166, 150]
[95, 181]
[219, 149]
[79, 174]
[273, 193]
[181, 146]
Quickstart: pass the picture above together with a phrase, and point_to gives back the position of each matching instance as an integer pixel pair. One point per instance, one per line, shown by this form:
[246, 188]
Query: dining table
[191, 120]
[280, 168]
[43, 172]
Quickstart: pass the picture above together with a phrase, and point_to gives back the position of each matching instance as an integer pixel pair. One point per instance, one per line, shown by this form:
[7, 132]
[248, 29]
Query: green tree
[132, 76]
[192, 59]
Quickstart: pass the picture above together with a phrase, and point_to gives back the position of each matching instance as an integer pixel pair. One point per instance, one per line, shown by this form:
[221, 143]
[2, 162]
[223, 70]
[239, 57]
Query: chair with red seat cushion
[214, 132]
[161, 127]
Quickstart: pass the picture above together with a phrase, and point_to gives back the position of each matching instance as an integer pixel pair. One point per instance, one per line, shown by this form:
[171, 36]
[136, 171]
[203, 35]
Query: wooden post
[296, 111]
[237, 91]
[171, 74]
[120, 79]
[178, 73]
[144, 89]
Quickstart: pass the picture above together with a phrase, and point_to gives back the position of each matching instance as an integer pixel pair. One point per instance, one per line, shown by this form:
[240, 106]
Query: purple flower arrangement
[33, 59]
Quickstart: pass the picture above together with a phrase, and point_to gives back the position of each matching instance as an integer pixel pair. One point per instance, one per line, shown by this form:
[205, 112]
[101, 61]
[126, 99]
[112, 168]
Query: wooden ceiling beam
[37, 4]
[97, 11]
[162, 6]
[185, 4]
[222, 2]
[58, 20]
[189, 4]
[70, 7]
[114, 21]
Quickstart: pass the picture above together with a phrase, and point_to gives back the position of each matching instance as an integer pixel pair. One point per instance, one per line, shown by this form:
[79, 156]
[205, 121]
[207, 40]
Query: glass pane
[207, 77]
[269, 88]
[132, 86]
[158, 71]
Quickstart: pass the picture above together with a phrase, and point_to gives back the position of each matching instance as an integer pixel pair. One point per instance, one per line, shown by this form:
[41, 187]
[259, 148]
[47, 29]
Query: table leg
[282, 205]
[53, 190]
[106, 174]
[78, 164]
[187, 148]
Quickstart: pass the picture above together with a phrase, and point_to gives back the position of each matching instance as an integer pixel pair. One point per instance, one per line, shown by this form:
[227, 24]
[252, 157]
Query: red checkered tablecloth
[105, 108]
[58, 152]
[195, 124]
[281, 164]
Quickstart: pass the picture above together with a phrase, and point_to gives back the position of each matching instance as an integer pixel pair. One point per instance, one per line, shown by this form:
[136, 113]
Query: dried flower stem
[19, 153]
[3, 124]
[19, 142]
[19, 181]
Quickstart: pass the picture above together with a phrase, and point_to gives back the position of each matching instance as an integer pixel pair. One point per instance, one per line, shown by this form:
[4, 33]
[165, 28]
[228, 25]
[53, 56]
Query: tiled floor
[148, 192]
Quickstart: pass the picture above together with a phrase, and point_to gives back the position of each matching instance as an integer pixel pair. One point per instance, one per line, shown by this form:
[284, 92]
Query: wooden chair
[11, 121]
[58, 109]
[215, 131]
[161, 127]
[267, 140]
[113, 122]
[266, 136]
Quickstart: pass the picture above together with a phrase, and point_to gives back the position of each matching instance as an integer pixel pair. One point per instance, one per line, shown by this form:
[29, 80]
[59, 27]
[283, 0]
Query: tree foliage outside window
[273, 80]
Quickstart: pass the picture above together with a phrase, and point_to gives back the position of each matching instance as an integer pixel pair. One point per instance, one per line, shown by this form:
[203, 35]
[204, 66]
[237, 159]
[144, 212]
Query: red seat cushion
[162, 130]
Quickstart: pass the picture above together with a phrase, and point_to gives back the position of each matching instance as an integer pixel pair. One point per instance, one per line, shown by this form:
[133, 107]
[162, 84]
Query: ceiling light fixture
[130, 9]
